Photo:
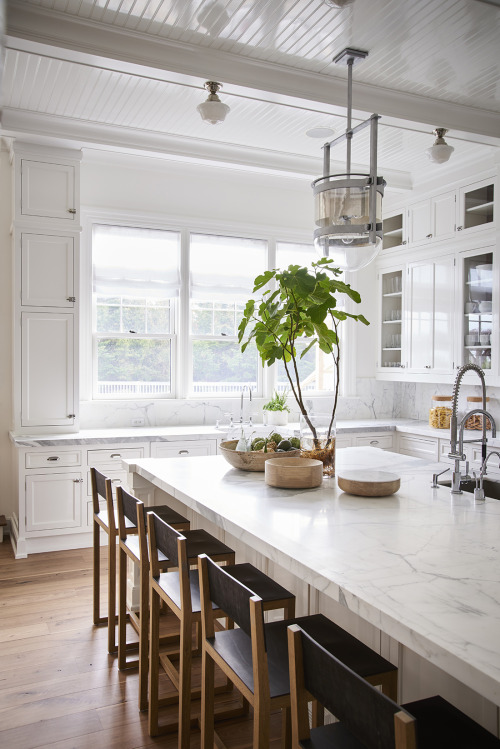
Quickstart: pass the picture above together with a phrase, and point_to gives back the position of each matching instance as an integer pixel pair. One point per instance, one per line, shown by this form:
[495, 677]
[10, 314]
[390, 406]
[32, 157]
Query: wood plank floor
[58, 686]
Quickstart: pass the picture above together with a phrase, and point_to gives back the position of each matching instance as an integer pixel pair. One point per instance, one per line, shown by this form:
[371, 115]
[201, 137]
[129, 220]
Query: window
[316, 369]
[135, 282]
[222, 272]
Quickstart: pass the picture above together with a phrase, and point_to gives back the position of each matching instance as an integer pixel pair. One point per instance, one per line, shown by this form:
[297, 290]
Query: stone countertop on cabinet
[196, 432]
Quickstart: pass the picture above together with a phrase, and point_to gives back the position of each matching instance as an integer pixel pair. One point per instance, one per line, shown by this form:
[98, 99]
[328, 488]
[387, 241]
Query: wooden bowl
[369, 483]
[250, 461]
[295, 473]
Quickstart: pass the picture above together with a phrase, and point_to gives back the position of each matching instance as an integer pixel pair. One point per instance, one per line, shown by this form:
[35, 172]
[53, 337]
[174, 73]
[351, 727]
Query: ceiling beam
[100, 42]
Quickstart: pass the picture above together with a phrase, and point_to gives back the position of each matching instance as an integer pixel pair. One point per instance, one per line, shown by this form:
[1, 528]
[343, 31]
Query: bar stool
[255, 656]
[135, 547]
[368, 718]
[180, 591]
[106, 520]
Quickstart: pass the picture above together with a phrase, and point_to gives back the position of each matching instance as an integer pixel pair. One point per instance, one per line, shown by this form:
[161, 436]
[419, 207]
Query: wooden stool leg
[96, 574]
[185, 681]
[261, 718]
[112, 648]
[122, 610]
[286, 728]
[154, 658]
[207, 701]
[143, 639]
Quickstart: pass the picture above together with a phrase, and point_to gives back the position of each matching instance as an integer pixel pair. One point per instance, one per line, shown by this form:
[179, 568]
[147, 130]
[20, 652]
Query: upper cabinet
[46, 186]
[476, 205]
[48, 190]
[47, 270]
[441, 217]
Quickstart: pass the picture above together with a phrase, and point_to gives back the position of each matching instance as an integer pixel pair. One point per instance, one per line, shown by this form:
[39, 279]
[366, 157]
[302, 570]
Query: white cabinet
[394, 232]
[391, 329]
[183, 449]
[47, 270]
[419, 447]
[49, 190]
[48, 366]
[432, 219]
[477, 206]
[478, 342]
[430, 315]
[46, 259]
[53, 501]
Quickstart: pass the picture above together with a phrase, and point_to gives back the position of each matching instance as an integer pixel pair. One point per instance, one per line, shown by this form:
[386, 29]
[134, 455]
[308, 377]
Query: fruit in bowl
[261, 450]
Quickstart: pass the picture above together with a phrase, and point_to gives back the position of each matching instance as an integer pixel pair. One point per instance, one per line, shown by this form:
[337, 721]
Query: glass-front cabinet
[394, 230]
[477, 204]
[478, 341]
[391, 317]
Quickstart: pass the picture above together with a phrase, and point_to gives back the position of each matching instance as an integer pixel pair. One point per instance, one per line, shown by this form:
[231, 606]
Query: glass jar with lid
[440, 411]
[476, 420]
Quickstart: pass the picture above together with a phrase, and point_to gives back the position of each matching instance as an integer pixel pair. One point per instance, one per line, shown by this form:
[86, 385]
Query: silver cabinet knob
[428, 366]
[459, 228]
[78, 481]
[71, 210]
[71, 416]
[428, 236]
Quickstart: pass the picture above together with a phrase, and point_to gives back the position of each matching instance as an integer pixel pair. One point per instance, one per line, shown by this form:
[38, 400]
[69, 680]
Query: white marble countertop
[421, 565]
[193, 432]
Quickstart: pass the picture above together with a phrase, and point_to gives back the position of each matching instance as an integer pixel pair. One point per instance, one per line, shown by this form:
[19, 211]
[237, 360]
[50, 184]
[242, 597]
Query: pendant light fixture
[213, 110]
[348, 207]
[440, 151]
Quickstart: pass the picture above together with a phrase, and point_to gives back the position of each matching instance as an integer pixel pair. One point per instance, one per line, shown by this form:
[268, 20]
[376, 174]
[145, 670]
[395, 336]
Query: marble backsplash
[374, 400]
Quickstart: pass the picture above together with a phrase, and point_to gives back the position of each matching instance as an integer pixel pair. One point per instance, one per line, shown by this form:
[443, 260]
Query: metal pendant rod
[348, 133]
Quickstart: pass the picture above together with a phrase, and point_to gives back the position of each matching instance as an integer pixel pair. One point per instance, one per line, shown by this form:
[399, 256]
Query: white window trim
[181, 364]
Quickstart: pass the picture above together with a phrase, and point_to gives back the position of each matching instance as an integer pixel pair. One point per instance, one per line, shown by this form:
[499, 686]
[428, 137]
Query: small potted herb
[277, 410]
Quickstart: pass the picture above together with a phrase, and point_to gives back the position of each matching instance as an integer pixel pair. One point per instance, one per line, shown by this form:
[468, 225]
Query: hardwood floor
[59, 688]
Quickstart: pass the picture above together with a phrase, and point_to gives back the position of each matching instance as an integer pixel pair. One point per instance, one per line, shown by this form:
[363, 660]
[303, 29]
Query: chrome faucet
[249, 388]
[479, 490]
[457, 450]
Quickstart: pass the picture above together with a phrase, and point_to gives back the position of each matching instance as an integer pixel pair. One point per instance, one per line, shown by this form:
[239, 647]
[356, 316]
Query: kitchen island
[420, 568]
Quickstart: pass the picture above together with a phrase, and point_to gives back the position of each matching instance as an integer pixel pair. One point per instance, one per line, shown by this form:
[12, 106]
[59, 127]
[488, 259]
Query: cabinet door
[419, 222]
[47, 388]
[443, 215]
[47, 271]
[48, 190]
[431, 315]
[53, 501]
[477, 206]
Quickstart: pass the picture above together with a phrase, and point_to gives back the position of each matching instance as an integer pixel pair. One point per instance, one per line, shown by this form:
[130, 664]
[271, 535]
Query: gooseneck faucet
[457, 434]
[249, 388]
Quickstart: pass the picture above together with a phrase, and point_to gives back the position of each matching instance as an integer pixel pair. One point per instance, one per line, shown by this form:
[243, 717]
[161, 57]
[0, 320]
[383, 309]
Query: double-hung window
[136, 281]
[222, 272]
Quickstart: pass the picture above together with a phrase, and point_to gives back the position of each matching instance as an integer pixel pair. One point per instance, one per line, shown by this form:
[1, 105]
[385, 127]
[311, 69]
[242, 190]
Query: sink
[491, 487]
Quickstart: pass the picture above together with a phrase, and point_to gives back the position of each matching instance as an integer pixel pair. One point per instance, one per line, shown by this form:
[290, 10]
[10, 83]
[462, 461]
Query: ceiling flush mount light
[213, 110]
[348, 207]
[320, 132]
[440, 151]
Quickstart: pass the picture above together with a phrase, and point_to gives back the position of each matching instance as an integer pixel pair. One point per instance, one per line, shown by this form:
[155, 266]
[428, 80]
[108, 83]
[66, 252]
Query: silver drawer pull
[71, 416]
[115, 455]
[78, 481]
[54, 457]
[183, 452]
[373, 442]
[116, 481]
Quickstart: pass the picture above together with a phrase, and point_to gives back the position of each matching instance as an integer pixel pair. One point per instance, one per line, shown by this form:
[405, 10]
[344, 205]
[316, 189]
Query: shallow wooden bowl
[369, 483]
[251, 461]
[295, 473]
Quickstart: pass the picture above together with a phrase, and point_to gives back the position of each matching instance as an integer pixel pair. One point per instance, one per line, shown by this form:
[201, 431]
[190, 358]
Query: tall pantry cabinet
[46, 234]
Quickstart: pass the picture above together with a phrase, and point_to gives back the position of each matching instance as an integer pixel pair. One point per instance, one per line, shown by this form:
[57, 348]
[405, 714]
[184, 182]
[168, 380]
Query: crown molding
[100, 42]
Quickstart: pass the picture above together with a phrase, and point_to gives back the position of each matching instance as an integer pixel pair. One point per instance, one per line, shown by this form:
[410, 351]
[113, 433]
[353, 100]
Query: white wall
[6, 450]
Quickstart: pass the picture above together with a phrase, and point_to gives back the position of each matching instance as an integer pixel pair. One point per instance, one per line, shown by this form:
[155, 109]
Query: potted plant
[302, 306]
[277, 409]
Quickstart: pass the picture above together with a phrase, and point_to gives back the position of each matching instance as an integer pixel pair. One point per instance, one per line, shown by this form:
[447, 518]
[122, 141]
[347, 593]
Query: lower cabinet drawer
[419, 447]
[109, 457]
[53, 501]
[181, 449]
[384, 441]
[53, 459]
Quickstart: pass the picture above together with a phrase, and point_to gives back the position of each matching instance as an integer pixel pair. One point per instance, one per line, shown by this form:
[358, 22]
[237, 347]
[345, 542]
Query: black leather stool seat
[201, 542]
[234, 646]
[440, 725]
[167, 514]
[262, 585]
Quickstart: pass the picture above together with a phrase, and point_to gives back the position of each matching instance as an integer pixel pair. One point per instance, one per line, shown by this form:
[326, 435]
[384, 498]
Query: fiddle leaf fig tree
[301, 305]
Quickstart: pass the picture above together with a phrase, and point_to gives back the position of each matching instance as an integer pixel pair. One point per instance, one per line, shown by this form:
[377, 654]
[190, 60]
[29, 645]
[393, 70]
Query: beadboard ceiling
[129, 74]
